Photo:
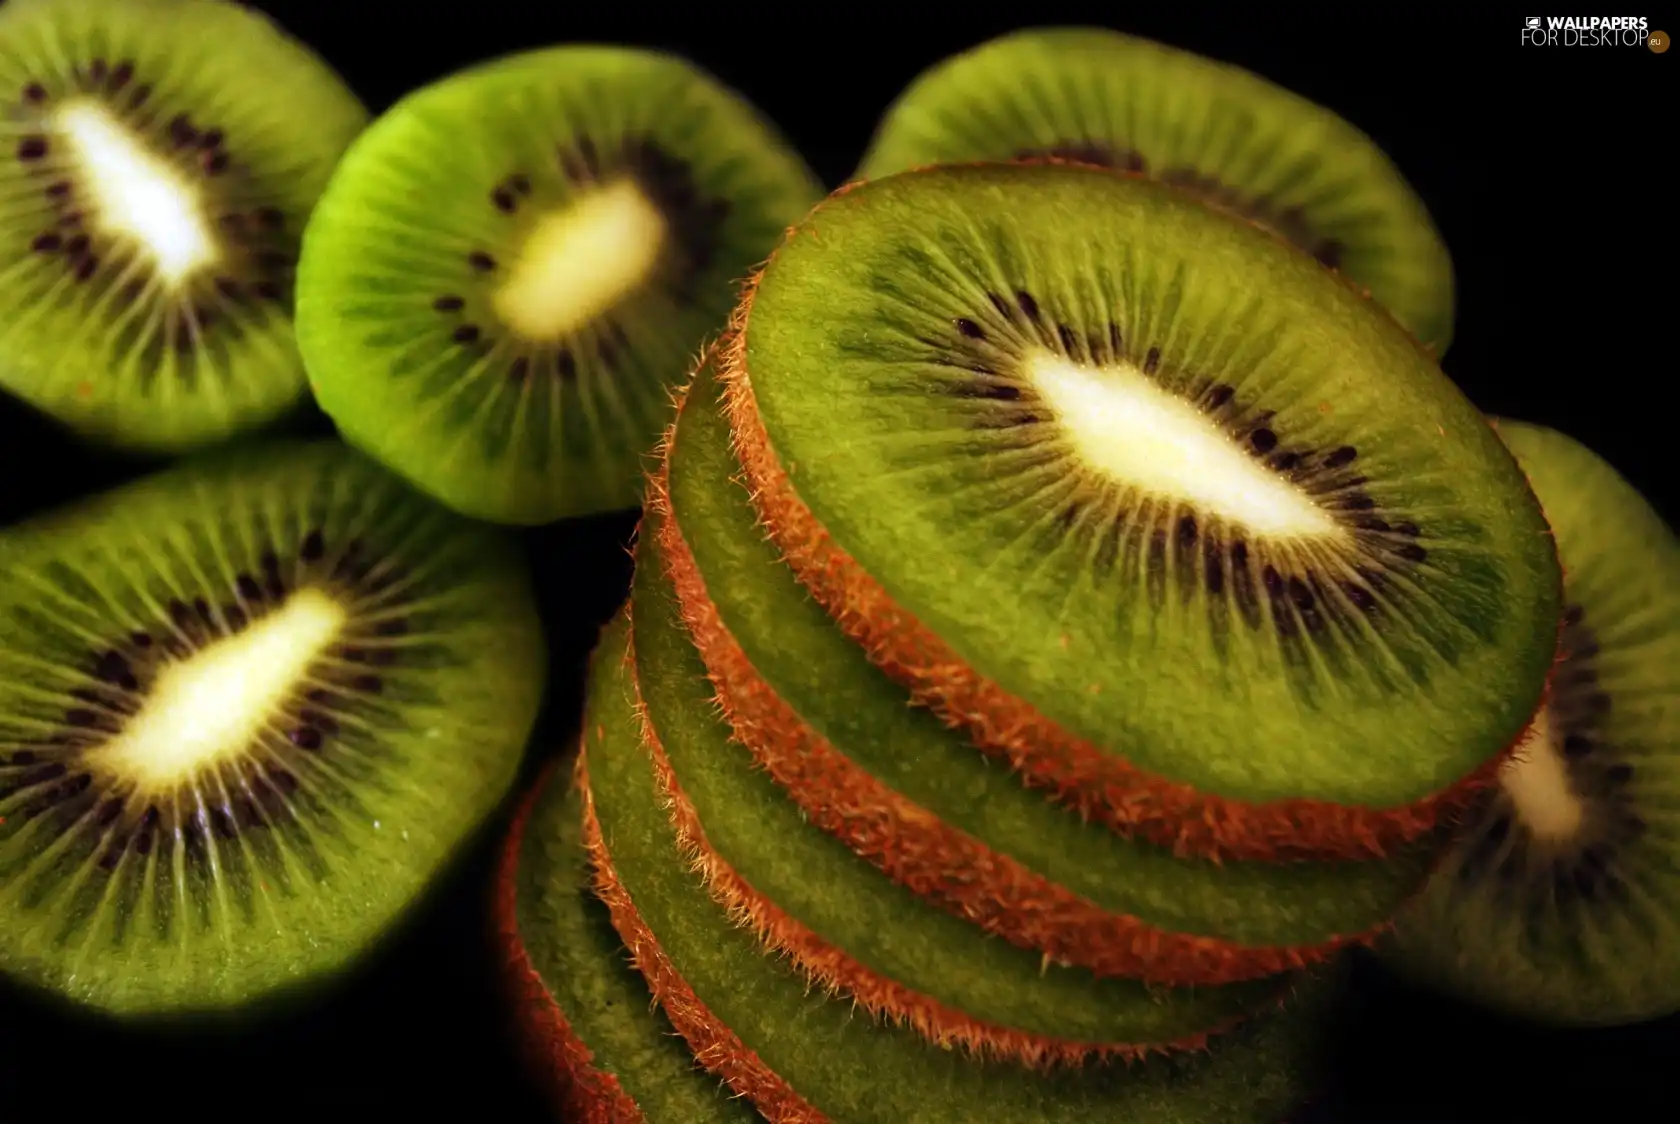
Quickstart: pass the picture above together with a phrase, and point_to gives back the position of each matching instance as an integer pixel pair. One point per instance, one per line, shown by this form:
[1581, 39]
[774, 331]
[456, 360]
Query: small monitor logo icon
[1533, 22]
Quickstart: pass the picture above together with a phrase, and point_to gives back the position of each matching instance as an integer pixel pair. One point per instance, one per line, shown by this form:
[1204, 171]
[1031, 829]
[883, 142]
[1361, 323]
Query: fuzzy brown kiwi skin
[554, 1053]
[1075, 772]
[714, 1045]
[919, 851]
[836, 973]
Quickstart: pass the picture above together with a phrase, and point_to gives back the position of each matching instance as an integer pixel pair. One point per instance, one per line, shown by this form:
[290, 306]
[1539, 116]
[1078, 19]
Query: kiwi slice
[801, 1055]
[1562, 902]
[513, 265]
[835, 916]
[1223, 134]
[594, 1036]
[1152, 505]
[163, 158]
[911, 795]
[249, 707]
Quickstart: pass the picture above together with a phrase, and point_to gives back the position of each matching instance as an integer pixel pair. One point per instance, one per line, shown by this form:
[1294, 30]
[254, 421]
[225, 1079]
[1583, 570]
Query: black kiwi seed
[1225, 564]
[269, 825]
[1290, 222]
[1221, 135]
[668, 183]
[1002, 474]
[1580, 870]
[107, 384]
[559, 407]
[1576, 930]
[1287, 221]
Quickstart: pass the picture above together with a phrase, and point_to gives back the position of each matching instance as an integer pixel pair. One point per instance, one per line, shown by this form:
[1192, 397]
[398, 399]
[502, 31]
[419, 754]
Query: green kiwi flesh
[958, 367]
[512, 266]
[850, 907]
[1214, 130]
[1562, 902]
[568, 941]
[154, 193]
[842, 1065]
[796, 648]
[166, 847]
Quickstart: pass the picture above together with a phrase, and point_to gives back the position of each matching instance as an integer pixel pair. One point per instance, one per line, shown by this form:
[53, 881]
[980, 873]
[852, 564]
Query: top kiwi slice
[912, 795]
[1215, 130]
[162, 157]
[1147, 500]
[249, 707]
[512, 267]
[1562, 902]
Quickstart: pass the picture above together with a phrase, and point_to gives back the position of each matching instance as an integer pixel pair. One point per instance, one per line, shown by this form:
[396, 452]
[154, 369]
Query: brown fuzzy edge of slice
[835, 973]
[563, 1064]
[714, 1045]
[1076, 772]
[918, 850]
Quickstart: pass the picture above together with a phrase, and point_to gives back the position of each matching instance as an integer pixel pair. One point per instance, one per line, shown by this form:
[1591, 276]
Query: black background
[1541, 168]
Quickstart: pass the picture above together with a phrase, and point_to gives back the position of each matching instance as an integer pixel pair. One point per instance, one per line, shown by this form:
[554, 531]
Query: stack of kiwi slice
[1064, 619]
[1072, 609]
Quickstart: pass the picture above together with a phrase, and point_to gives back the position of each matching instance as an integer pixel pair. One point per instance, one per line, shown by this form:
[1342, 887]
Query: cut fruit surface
[1215, 131]
[914, 797]
[1562, 902]
[853, 930]
[604, 1051]
[250, 706]
[799, 1055]
[152, 198]
[1207, 668]
[513, 265]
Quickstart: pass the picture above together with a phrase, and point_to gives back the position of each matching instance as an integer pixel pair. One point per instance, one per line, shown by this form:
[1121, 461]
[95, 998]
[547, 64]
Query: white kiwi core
[580, 260]
[1536, 779]
[212, 704]
[1124, 426]
[138, 195]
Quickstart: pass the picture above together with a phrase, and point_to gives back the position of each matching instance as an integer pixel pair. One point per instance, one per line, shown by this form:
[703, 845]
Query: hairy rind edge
[714, 1045]
[554, 1052]
[916, 849]
[837, 974]
[1096, 784]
